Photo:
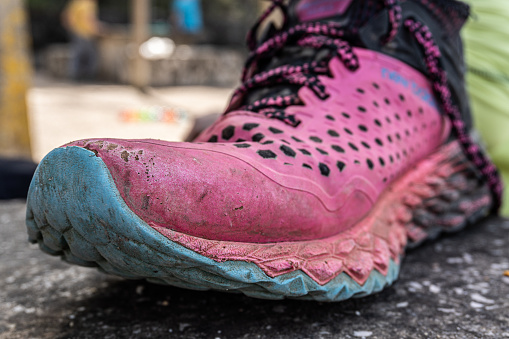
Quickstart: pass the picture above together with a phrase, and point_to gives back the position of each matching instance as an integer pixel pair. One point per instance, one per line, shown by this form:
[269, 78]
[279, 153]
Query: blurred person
[80, 19]
[486, 37]
[349, 140]
[188, 15]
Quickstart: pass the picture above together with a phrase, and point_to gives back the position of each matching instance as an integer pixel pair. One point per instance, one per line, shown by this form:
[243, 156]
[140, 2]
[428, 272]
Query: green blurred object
[486, 38]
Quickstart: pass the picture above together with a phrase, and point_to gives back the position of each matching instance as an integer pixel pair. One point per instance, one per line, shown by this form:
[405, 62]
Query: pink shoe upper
[252, 179]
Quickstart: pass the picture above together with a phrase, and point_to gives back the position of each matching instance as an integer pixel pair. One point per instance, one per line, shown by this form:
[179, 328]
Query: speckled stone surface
[451, 288]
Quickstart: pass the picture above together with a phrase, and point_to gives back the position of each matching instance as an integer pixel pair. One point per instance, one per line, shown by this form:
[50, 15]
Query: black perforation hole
[250, 126]
[363, 128]
[333, 133]
[330, 117]
[338, 149]
[288, 151]
[322, 151]
[315, 139]
[297, 139]
[375, 104]
[307, 166]
[401, 97]
[242, 145]
[365, 144]
[341, 165]
[213, 138]
[324, 169]
[387, 101]
[370, 164]
[275, 130]
[267, 154]
[348, 131]
[346, 115]
[257, 137]
[378, 123]
[228, 132]
[382, 161]
[360, 90]
[361, 109]
[304, 151]
[379, 142]
[375, 85]
[352, 146]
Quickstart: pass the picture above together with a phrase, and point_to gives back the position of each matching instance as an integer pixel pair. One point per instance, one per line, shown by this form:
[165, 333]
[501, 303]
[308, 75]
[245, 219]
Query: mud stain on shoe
[125, 156]
[92, 150]
[202, 196]
[145, 203]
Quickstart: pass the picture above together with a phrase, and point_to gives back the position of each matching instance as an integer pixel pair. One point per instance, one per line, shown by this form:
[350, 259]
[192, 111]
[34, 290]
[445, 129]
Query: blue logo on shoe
[423, 93]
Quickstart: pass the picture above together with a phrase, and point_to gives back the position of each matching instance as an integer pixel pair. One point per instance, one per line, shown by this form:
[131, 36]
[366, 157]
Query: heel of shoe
[453, 197]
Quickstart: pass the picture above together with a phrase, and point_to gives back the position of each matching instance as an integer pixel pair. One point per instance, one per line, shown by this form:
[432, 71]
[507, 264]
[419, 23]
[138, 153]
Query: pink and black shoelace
[336, 37]
[438, 77]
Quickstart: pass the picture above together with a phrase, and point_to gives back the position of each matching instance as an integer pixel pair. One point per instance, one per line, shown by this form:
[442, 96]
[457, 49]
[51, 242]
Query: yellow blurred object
[80, 17]
[486, 38]
[506, 273]
[15, 74]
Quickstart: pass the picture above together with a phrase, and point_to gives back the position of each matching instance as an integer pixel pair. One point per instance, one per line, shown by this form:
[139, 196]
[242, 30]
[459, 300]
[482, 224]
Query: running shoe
[348, 141]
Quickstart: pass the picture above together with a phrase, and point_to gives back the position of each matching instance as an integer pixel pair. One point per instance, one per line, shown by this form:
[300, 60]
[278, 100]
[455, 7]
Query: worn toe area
[215, 195]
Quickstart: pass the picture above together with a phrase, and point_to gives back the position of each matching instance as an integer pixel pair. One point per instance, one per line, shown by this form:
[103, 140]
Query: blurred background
[192, 37]
[73, 69]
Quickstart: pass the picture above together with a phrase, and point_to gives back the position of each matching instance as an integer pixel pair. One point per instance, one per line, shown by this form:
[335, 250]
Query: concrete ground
[454, 287]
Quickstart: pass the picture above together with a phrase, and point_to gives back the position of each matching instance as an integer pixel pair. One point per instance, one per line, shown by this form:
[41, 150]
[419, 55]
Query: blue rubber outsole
[75, 211]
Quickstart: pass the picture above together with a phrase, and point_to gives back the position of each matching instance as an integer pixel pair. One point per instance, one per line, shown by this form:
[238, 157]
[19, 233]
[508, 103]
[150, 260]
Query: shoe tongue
[316, 10]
